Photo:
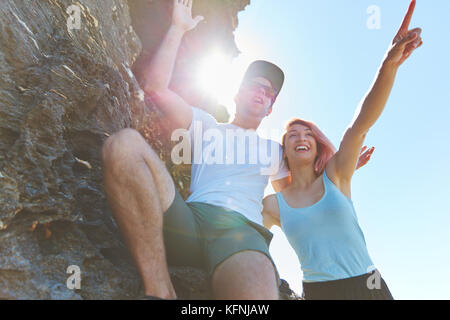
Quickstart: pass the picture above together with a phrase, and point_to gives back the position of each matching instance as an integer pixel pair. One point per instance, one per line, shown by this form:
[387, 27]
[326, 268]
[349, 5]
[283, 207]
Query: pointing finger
[407, 20]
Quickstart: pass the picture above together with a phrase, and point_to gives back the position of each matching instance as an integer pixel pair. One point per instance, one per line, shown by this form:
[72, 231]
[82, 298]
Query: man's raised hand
[364, 157]
[405, 41]
[182, 15]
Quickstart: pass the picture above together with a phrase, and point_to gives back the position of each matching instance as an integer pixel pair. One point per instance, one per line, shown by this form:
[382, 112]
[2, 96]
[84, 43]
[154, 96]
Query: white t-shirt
[231, 166]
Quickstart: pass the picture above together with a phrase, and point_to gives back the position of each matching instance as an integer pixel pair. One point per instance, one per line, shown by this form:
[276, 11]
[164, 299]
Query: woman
[316, 211]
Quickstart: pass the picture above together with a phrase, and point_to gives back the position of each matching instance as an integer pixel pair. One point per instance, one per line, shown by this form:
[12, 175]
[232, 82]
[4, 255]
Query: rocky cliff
[69, 79]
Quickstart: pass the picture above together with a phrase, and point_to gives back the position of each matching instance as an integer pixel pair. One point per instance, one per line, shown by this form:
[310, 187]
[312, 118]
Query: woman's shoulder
[270, 204]
[342, 184]
[271, 212]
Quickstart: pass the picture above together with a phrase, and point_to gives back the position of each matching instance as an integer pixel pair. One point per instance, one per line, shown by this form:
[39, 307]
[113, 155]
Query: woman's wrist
[388, 66]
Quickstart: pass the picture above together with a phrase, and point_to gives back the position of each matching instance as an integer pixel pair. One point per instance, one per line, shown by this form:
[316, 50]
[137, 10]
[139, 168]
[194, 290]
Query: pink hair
[325, 149]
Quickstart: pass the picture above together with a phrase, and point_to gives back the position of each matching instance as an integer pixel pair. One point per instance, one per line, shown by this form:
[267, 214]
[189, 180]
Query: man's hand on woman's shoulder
[271, 211]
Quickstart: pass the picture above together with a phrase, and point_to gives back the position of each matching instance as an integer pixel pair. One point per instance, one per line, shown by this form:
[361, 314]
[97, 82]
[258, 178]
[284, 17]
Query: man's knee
[127, 151]
[248, 262]
[122, 144]
[249, 272]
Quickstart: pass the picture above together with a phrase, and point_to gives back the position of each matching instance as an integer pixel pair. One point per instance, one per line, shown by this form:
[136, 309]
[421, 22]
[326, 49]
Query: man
[219, 227]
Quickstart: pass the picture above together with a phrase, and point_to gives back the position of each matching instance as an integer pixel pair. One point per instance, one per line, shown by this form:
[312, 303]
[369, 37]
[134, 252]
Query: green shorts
[203, 235]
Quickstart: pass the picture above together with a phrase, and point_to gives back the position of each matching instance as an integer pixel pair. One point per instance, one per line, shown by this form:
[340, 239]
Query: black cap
[266, 70]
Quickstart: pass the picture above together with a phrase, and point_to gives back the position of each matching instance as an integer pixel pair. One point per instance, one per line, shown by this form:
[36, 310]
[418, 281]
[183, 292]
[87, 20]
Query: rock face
[66, 84]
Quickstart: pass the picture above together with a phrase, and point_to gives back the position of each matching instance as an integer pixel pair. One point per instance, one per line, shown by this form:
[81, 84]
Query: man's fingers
[370, 151]
[366, 155]
[198, 19]
[363, 149]
[407, 20]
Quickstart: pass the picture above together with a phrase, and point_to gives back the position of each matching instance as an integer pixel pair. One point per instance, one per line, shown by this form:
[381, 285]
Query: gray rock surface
[62, 92]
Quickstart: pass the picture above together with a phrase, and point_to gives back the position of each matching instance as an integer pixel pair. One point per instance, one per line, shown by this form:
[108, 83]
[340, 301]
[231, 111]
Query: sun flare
[216, 77]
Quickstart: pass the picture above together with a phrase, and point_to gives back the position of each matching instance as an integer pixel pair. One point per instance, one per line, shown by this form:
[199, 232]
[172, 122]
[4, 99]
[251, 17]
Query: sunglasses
[269, 92]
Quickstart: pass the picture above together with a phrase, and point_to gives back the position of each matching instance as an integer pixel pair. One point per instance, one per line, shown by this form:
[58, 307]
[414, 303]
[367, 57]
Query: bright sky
[330, 56]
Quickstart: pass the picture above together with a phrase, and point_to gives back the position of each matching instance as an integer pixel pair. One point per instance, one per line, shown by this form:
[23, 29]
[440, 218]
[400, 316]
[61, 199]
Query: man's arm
[158, 74]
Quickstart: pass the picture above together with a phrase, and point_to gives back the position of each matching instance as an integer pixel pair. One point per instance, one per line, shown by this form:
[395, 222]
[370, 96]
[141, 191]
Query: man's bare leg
[139, 190]
[247, 275]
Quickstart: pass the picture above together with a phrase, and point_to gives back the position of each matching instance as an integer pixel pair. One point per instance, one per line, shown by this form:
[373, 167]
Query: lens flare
[215, 76]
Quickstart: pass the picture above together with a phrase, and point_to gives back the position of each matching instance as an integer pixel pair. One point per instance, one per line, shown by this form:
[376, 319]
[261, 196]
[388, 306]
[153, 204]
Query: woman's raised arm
[343, 164]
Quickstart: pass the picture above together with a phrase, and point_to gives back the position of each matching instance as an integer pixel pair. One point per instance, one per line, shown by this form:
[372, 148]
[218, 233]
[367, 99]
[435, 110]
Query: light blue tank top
[326, 236]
